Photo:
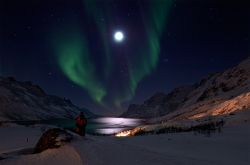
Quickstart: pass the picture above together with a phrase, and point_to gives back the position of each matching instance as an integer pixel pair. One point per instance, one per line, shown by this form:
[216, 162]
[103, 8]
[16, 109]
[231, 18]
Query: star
[28, 27]
[165, 60]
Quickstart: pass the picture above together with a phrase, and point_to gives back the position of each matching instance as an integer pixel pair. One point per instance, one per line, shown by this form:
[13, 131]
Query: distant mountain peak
[23, 100]
[212, 90]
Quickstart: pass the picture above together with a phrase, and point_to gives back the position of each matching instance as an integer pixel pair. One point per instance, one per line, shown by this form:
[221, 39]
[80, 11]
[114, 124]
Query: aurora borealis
[68, 47]
[74, 54]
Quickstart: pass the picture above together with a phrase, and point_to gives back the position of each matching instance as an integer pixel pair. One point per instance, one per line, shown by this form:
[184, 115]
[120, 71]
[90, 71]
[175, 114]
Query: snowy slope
[230, 147]
[25, 101]
[217, 94]
[159, 104]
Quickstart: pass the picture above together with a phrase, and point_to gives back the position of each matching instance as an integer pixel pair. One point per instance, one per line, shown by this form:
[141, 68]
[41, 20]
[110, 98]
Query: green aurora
[74, 56]
[74, 60]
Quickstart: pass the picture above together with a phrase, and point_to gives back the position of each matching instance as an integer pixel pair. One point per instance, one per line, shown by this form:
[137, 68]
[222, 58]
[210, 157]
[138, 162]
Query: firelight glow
[118, 36]
[123, 133]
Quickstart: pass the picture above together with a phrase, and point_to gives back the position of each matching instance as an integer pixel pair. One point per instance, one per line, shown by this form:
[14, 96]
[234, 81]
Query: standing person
[81, 123]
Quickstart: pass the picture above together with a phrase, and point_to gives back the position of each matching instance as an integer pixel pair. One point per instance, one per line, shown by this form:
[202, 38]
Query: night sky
[68, 47]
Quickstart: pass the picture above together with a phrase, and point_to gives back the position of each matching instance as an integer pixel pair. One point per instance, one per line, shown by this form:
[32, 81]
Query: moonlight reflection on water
[110, 125]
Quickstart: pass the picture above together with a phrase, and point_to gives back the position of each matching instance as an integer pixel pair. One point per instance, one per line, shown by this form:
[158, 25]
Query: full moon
[118, 36]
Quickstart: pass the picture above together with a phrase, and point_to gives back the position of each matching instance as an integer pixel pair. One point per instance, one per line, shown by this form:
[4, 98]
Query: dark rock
[52, 138]
[11, 79]
[155, 99]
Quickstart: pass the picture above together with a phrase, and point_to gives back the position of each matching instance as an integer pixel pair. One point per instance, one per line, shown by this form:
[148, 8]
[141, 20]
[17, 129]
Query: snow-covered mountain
[159, 104]
[216, 94]
[26, 101]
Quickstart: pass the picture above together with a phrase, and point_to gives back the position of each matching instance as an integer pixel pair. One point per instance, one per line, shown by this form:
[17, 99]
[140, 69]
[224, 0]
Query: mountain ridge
[214, 89]
[23, 100]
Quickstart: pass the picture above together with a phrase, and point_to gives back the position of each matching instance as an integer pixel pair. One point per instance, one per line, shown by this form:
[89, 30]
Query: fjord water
[112, 125]
[103, 125]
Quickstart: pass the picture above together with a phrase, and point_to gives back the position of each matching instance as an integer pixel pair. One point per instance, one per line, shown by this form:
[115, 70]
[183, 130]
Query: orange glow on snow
[200, 115]
[131, 132]
[124, 133]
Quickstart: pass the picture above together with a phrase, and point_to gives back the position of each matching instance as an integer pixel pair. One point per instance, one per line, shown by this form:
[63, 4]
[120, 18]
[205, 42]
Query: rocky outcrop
[52, 138]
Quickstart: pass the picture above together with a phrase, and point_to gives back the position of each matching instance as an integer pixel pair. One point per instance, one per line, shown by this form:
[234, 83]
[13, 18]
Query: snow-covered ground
[232, 146]
[15, 137]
